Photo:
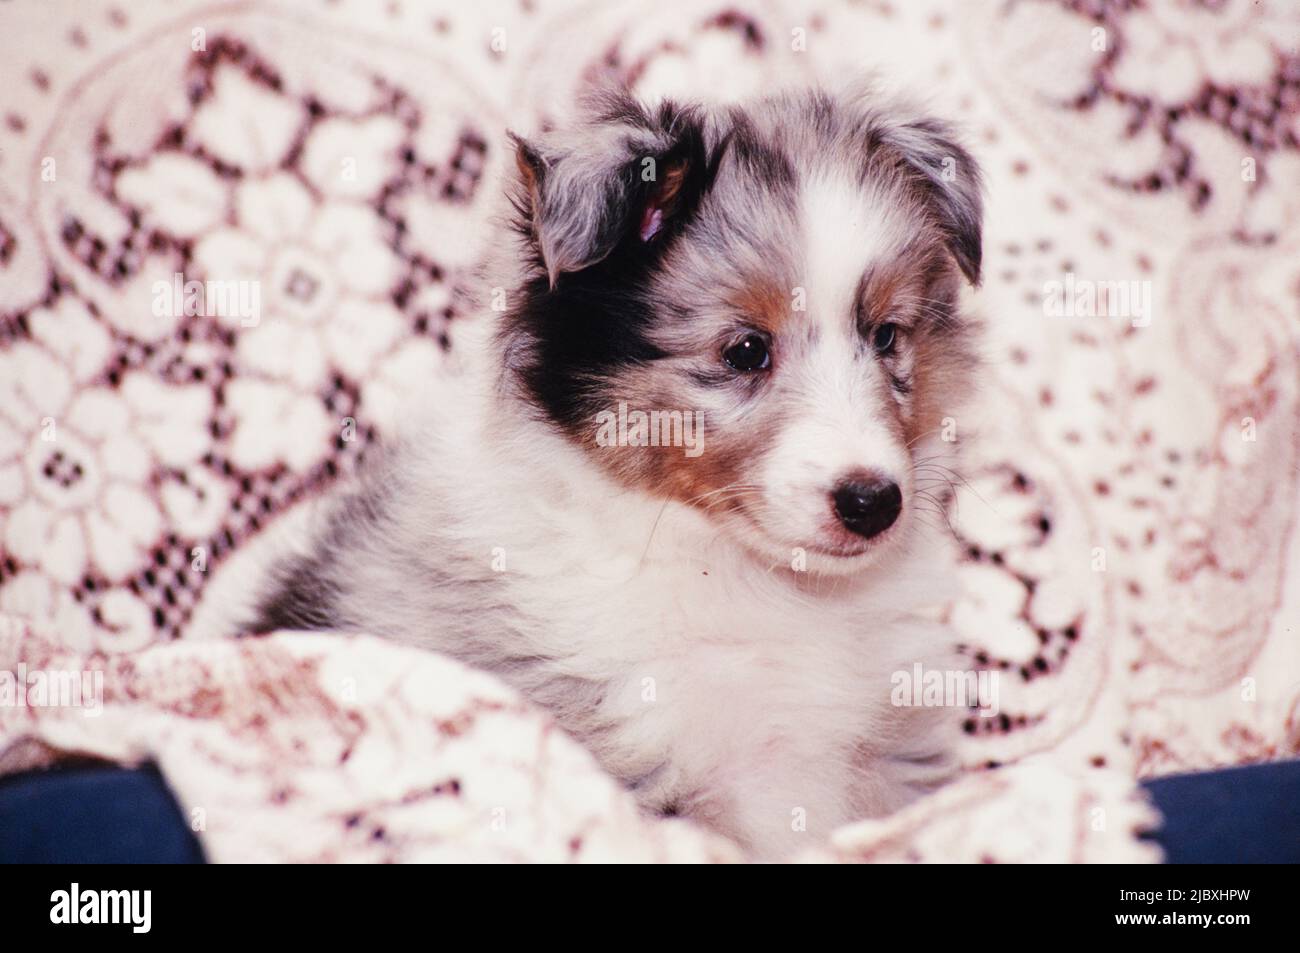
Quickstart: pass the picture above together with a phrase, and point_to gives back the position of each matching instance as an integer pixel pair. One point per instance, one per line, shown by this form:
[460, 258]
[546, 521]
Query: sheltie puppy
[680, 501]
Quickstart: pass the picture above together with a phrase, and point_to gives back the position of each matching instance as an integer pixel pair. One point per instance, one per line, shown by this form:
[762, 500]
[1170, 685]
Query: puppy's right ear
[623, 174]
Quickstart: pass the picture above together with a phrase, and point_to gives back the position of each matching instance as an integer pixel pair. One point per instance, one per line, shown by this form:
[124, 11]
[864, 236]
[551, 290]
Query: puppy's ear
[949, 183]
[624, 174]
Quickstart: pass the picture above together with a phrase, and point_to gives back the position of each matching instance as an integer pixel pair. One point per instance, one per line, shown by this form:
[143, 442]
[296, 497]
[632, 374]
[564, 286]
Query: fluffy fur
[707, 625]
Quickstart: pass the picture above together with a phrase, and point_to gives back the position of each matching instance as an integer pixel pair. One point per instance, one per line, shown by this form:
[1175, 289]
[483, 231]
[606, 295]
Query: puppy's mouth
[846, 551]
[847, 545]
[832, 541]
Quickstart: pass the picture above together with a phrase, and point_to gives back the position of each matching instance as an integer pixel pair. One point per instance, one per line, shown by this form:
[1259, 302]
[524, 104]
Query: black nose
[869, 506]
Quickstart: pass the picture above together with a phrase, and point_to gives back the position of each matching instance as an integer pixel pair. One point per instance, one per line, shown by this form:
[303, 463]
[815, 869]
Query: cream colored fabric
[1128, 512]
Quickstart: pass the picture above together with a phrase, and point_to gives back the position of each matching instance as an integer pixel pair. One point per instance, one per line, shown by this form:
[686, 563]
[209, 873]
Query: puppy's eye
[750, 353]
[885, 339]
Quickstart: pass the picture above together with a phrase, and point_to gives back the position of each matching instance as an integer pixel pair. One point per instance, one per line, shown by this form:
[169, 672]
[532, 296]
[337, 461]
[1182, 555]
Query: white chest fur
[749, 694]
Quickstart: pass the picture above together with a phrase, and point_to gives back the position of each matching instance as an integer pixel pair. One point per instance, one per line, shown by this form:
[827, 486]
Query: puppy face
[783, 277]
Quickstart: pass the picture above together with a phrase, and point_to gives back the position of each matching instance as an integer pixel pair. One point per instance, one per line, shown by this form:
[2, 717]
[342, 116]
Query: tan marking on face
[882, 290]
[908, 290]
[667, 472]
[895, 288]
[765, 304]
[943, 371]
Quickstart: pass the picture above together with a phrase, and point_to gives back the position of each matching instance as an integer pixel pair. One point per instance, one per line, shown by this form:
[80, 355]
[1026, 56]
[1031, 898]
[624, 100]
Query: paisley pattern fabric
[1126, 518]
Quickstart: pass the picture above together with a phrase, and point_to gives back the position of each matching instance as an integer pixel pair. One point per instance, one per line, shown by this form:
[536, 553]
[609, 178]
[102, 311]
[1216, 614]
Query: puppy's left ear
[624, 174]
[950, 184]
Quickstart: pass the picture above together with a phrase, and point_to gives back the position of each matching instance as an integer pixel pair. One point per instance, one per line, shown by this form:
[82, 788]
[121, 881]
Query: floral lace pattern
[1130, 488]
